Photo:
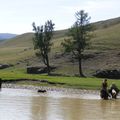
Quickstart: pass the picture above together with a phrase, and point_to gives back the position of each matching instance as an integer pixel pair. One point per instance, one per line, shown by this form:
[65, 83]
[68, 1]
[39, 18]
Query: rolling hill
[4, 36]
[103, 52]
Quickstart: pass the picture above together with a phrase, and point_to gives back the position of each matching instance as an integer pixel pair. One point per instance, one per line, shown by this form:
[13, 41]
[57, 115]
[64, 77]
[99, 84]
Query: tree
[79, 36]
[42, 41]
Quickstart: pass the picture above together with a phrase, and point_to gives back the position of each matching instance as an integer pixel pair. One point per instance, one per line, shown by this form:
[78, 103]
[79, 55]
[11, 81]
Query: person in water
[104, 84]
[104, 92]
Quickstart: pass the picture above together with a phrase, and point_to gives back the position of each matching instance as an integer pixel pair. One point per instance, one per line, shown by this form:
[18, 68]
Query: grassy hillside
[102, 53]
[106, 23]
[14, 50]
[107, 38]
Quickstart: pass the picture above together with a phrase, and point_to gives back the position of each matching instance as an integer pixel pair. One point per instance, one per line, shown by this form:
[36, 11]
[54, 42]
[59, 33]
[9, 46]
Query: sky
[17, 16]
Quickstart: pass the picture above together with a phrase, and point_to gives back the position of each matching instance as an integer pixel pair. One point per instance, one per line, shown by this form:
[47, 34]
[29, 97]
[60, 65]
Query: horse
[104, 94]
[113, 93]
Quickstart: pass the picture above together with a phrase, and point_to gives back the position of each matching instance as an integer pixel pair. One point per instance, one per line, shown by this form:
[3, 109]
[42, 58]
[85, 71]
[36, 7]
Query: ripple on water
[56, 94]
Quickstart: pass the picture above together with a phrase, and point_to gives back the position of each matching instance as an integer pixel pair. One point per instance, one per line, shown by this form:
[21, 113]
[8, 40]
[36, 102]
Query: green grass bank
[67, 82]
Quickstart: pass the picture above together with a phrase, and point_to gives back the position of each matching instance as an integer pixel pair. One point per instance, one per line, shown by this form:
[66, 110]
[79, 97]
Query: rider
[104, 92]
[104, 84]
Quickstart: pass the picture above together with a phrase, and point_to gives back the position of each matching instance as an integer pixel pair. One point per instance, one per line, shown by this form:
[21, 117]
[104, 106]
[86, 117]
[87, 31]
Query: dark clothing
[104, 92]
[104, 85]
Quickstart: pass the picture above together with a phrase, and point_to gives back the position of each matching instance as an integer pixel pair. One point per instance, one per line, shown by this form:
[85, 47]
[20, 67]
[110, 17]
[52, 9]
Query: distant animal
[41, 91]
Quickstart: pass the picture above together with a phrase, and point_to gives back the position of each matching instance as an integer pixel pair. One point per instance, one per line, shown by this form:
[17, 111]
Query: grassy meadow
[67, 82]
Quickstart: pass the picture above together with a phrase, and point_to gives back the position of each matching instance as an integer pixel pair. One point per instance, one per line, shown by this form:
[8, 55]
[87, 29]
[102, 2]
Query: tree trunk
[80, 68]
[48, 66]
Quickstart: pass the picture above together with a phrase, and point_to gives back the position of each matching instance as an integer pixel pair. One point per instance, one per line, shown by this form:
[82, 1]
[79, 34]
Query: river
[23, 104]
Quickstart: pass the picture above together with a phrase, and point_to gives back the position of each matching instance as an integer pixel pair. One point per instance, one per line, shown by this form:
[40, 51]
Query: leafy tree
[42, 41]
[79, 36]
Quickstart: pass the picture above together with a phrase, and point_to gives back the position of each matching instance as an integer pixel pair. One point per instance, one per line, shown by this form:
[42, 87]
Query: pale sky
[17, 16]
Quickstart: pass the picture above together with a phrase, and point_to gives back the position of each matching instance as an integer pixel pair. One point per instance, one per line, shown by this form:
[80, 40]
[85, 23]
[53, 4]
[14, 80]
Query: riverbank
[50, 89]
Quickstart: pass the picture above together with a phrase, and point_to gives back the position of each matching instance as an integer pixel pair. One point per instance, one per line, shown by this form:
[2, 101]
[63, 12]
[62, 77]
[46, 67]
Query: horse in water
[112, 92]
[104, 94]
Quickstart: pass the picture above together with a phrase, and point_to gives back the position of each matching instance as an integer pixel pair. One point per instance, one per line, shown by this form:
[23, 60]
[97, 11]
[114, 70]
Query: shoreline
[50, 89]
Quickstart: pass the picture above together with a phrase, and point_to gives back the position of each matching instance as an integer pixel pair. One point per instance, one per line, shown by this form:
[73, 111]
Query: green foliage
[42, 37]
[67, 44]
[80, 33]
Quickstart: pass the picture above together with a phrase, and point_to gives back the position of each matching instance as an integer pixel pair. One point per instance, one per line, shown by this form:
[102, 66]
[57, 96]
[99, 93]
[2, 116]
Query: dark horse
[104, 94]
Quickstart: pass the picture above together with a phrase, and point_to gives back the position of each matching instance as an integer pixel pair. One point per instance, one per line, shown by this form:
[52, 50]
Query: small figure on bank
[104, 92]
[113, 91]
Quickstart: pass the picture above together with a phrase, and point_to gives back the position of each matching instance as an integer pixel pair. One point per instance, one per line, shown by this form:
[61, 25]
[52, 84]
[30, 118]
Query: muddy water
[17, 104]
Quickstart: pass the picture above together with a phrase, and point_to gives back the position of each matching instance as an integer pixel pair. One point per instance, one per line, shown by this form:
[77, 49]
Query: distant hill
[4, 36]
[107, 23]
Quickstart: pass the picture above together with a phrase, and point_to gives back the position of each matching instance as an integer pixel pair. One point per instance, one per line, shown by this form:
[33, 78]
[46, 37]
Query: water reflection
[110, 109]
[14, 105]
[39, 108]
[28, 105]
